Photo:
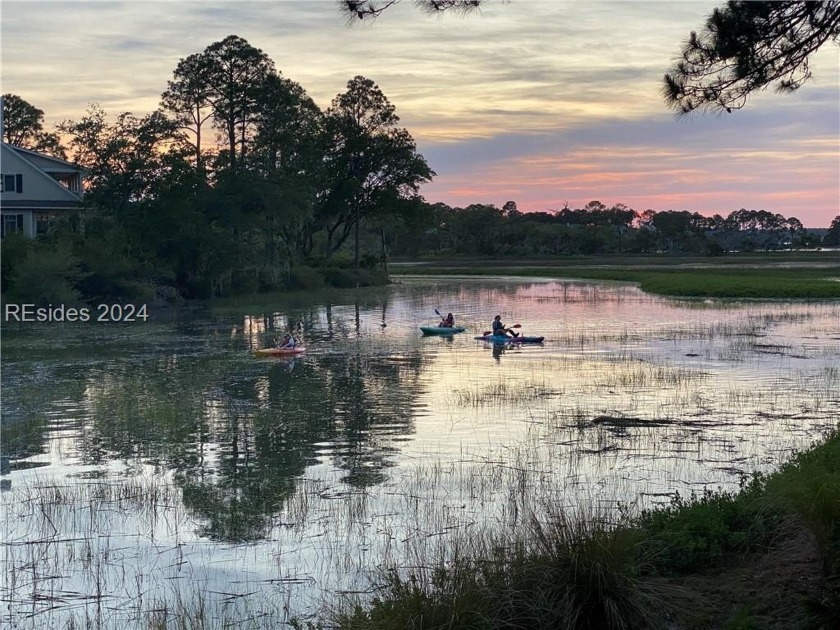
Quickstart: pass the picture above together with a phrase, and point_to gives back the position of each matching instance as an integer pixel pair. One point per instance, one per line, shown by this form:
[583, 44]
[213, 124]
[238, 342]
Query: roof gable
[43, 161]
[38, 185]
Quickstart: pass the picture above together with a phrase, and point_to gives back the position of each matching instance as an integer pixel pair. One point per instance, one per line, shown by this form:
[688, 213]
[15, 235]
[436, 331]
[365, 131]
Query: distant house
[34, 189]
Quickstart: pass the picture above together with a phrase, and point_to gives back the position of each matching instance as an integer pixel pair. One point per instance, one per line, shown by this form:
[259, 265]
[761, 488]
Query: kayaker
[499, 328]
[449, 322]
[288, 342]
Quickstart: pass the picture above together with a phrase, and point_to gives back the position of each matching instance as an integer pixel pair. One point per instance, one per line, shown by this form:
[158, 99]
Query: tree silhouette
[362, 9]
[745, 47]
[833, 235]
[23, 126]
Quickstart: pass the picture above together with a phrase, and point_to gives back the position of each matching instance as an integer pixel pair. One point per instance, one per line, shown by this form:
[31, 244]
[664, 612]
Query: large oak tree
[371, 163]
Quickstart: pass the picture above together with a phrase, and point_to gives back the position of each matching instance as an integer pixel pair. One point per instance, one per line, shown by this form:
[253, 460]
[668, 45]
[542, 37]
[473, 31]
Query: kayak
[506, 339]
[281, 352]
[441, 330]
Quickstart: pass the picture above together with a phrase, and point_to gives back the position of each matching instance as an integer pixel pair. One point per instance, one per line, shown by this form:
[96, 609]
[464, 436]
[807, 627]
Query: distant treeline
[596, 229]
[240, 183]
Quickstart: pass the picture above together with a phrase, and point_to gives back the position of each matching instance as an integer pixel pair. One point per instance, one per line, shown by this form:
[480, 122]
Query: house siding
[33, 189]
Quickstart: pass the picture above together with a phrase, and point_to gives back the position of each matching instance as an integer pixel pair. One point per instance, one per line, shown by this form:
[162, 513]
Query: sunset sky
[537, 101]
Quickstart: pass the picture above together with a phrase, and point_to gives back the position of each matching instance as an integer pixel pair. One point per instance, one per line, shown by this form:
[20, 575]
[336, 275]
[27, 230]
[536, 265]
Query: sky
[541, 102]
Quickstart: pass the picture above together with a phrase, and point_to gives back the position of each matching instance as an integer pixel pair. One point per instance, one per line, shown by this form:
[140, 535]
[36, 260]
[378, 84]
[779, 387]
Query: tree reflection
[236, 433]
[237, 444]
[352, 403]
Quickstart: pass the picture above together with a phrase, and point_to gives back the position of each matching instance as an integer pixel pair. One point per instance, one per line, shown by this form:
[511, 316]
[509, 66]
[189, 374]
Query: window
[11, 223]
[11, 183]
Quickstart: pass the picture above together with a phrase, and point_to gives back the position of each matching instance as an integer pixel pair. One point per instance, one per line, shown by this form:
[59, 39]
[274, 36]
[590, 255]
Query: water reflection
[378, 434]
[235, 432]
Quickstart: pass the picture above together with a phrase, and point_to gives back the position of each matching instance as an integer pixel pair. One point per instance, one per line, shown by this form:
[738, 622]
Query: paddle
[490, 332]
[443, 321]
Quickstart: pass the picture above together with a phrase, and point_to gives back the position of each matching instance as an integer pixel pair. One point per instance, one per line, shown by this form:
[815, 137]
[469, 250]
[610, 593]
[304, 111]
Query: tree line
[240, 183]
[595, 229]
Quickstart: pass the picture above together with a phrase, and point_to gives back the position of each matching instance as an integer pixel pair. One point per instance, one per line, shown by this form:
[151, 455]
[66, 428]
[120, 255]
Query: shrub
[15, 248]
[244, 281]
[809, 486]
[692, 533]
[340, 277]
[304, 277]
[45, 275]
[272, 278]
[372, 277]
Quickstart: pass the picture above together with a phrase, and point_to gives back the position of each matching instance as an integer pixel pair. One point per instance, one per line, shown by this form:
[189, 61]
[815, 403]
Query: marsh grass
[668, 276]
[536, 562]
[745, 330]
[503, 393]
[556, 572]
[639, 374]
[591, 571]
[116, 554]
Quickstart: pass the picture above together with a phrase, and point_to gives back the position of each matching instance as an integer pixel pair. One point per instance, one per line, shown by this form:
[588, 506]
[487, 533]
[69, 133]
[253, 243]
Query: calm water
[159, 468]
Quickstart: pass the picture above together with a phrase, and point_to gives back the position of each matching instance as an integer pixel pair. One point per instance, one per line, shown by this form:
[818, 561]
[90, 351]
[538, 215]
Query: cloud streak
[538, 101]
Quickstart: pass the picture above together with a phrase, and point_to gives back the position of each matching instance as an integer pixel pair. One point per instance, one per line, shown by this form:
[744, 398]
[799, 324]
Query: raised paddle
[444, 323]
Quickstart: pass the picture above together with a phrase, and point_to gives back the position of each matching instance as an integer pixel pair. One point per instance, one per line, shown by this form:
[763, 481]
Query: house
[34, 189]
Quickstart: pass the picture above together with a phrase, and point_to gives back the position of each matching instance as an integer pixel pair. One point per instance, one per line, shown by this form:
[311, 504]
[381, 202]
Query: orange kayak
[282, 352]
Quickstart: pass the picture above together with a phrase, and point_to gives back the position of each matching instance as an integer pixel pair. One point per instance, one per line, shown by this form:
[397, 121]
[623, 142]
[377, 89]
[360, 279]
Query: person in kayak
[287, 342]
[449, 322]
[499, 328]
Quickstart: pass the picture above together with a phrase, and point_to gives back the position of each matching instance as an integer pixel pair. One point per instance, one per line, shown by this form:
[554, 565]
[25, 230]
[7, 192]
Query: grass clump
[587, 571]
[580, 573]
[447, 598]
[643, 572]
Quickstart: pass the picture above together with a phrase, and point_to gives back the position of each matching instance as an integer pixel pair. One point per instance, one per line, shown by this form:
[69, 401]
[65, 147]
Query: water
[160, 470]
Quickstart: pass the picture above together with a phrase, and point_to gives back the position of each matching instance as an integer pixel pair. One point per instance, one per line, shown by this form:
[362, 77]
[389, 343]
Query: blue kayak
[506, 339]
[441, 330]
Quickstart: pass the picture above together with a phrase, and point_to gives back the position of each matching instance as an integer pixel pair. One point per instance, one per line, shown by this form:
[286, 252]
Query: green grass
[585, 573]
[796, 276]
[695, 532]
[563, 573]
[809, 487]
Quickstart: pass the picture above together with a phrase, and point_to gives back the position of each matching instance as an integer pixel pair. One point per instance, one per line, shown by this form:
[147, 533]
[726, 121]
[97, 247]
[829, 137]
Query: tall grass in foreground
[584, 572]
[560, 572]
[809, 486]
